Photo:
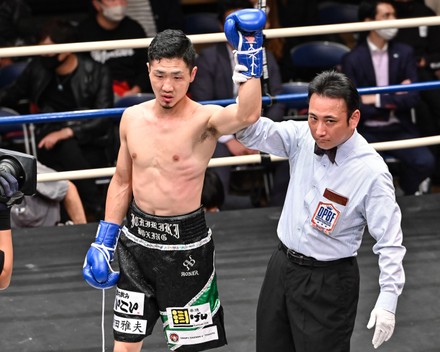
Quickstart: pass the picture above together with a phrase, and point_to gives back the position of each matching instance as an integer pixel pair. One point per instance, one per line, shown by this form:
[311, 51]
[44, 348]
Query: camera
[23, 167]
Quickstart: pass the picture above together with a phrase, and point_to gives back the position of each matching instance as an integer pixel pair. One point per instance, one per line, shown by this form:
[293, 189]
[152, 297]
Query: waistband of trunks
[178, 229]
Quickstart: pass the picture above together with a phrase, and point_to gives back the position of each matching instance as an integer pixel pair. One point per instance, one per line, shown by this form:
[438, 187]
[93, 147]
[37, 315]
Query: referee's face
[328, 121]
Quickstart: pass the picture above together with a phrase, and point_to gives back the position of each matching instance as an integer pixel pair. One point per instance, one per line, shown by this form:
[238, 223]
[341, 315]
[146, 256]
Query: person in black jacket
[16, 23]
[68, 82]
[109, 22]
[424, 41]
[379, 60]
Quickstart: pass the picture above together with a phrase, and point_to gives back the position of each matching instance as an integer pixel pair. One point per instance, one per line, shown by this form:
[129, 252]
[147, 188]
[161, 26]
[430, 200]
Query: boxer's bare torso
[166, 143]
[169, 154]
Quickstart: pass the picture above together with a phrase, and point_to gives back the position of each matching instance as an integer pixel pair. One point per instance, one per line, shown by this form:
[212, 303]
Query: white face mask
[387, 33]
[114, 13]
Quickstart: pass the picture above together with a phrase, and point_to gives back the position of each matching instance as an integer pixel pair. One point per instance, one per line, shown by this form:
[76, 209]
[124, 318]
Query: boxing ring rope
[220, 37]
[214, 162]
[117, 112]
[231, 160]
[211, 38]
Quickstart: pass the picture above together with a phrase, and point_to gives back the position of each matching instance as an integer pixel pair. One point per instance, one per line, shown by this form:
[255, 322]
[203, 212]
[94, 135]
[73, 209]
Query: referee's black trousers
[305, 308]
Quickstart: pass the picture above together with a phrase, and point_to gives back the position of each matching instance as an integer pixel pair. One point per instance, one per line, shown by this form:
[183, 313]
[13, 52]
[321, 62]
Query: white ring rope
[231, 160]
[220, 37]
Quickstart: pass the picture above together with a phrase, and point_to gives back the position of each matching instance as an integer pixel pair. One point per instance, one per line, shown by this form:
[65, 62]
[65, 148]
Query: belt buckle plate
[297, 257]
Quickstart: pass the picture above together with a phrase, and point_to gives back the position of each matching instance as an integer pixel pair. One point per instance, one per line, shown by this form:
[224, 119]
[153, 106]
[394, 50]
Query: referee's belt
[304, 260]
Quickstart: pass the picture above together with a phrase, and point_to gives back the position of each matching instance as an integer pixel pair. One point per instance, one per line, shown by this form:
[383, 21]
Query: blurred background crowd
[118, 78]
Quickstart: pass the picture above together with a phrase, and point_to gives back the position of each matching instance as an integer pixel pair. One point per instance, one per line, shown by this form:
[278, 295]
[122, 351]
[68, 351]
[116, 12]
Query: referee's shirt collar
[346, 148]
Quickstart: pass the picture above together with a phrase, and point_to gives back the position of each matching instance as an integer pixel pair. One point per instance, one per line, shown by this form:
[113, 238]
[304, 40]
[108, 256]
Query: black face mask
[50, 62]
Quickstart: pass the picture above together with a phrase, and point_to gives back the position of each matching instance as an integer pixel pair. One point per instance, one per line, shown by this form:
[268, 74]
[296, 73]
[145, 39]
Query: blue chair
[295, 88]
[9, 73]
[130, 100]
[295, 109]
[331, 12]
[321, 55]
[201, 23]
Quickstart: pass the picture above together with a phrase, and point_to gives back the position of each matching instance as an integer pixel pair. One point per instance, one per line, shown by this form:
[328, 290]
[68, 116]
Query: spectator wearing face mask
[380, 61]
[68, 82]
[425, 42]
[157, 15]
[110, 22]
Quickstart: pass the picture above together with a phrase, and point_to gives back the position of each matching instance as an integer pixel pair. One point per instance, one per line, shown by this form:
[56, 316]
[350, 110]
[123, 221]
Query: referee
[339, 185]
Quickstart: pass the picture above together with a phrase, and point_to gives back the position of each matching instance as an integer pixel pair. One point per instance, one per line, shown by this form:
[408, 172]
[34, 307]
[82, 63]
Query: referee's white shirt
[360, 176]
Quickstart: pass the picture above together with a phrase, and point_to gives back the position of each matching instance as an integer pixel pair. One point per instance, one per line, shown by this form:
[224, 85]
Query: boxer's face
[328, 121]
[170, 79]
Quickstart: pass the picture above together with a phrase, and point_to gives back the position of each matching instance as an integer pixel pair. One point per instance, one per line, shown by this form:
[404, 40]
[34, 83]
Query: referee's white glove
[384, 321]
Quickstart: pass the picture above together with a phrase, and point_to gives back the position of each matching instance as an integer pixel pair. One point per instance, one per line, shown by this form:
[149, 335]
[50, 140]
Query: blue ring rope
[117, 112]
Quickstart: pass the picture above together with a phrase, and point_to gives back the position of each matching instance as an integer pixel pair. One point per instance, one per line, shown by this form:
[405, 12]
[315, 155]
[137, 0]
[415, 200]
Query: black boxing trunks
[167, 269]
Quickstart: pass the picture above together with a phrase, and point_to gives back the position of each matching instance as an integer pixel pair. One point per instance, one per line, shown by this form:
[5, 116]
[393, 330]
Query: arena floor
[49, 307]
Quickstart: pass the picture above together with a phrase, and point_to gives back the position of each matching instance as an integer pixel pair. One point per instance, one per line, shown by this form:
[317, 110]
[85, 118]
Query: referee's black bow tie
[331, 153]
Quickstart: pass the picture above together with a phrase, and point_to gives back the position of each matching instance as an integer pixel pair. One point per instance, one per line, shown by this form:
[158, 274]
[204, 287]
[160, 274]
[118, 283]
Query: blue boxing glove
[97, 270]
[244, 31]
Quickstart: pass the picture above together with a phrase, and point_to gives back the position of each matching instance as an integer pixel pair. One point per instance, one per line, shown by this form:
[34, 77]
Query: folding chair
[332, 12]
[9, 73]
[318, 55]
[296, 109]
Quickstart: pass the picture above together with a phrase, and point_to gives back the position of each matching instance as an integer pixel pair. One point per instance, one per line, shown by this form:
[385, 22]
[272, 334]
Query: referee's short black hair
[336, 85]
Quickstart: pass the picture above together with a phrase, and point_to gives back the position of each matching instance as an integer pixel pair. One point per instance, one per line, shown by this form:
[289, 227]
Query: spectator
[16, 24]
[156, 15]
[66, 82]
[16, 27]
[434, 5]
[379, 61]
[215, 65]
[295, 13]
[424, 41]
[127, 66]
[44, 208]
